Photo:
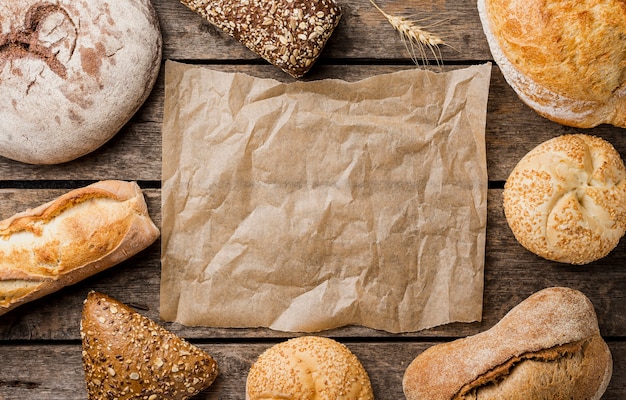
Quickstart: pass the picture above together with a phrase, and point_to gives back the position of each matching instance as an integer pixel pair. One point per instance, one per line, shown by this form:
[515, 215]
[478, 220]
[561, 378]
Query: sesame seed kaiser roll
[564, 58]
[566, 199]
[306, 368]
[129, 356]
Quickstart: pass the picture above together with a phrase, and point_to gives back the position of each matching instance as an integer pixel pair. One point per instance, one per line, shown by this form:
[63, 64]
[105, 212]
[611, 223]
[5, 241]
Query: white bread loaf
[290, 34]
[72, 73]
[128, 356]
[566, 199]
[565, 59]
[80, 233]
[308, 367]
[547, 347]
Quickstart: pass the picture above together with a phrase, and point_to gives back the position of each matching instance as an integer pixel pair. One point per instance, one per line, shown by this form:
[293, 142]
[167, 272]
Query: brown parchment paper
[306, 206]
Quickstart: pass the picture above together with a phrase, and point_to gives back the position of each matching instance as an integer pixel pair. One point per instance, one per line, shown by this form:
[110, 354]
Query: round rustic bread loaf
[72, 73]
[566, 199]
[565, 59]
[308, 367]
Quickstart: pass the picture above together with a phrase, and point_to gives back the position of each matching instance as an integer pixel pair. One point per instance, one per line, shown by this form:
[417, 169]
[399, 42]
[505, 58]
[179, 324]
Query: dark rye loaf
[289, 34]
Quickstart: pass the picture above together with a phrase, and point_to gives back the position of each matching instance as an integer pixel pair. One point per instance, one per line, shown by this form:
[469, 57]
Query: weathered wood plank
[511, 274]
[39, 342]
[135, 152]
[362, 33]
[30, 375]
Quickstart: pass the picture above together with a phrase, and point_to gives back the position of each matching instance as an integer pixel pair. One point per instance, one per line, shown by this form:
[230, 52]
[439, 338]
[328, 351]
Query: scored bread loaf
[129, 356]
[70, 238]
[547, 347]
[564, 59]
[289, 34]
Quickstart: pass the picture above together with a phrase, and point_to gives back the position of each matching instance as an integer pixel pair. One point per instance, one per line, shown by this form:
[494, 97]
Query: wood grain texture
[512, 130]
[511, 275]
[39, 337]
[362, 33]
[385, 363]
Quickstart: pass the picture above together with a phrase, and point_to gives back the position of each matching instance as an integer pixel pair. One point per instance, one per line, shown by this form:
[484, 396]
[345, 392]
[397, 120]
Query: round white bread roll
[565, 59]
[72, 73]
[566, 199]
[308, 367]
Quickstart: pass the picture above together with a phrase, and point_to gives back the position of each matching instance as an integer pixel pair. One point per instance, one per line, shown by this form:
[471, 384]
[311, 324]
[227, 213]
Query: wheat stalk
[416, 38]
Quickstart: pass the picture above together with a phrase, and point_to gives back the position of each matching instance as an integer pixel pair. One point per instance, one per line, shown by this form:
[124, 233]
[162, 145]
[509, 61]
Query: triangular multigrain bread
[129, 356]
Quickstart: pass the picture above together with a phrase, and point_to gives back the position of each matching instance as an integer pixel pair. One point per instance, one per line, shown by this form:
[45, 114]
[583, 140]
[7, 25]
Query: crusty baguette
[547, 347]
[129, 356]
[70, 238]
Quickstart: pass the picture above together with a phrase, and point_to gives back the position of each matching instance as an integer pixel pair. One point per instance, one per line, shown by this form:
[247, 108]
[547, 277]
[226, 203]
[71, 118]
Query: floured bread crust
[566, 199]
[308, 367]
[553, 329]
[80, 233]
[72, 73]
[565, 59]
[561, 372]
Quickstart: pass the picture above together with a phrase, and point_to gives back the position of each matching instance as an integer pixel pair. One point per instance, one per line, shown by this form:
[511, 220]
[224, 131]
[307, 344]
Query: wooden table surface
[40, 344]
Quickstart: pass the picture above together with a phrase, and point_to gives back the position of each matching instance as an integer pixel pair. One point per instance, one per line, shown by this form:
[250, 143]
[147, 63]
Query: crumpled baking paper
[307, 206]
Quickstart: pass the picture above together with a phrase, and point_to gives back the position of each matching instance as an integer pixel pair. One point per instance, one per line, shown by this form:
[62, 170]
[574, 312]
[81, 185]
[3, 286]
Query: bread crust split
[128, 356]
[547, 347]
[70, 238]
[564, 59]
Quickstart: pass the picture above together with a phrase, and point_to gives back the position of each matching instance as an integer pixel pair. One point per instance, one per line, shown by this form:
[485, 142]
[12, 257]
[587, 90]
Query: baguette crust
[544, 46]
[550, 325]
[68, 239]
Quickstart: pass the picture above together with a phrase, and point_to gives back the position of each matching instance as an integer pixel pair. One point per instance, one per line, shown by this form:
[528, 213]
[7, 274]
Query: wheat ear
[415, 38]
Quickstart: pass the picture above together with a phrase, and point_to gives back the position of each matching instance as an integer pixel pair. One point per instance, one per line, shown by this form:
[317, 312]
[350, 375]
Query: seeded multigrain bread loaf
[566, 199]
[308, 367]
[287, 33]
[72, 73]
[564, 58]
[128, 356]
[547, 347]
[80, 233]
